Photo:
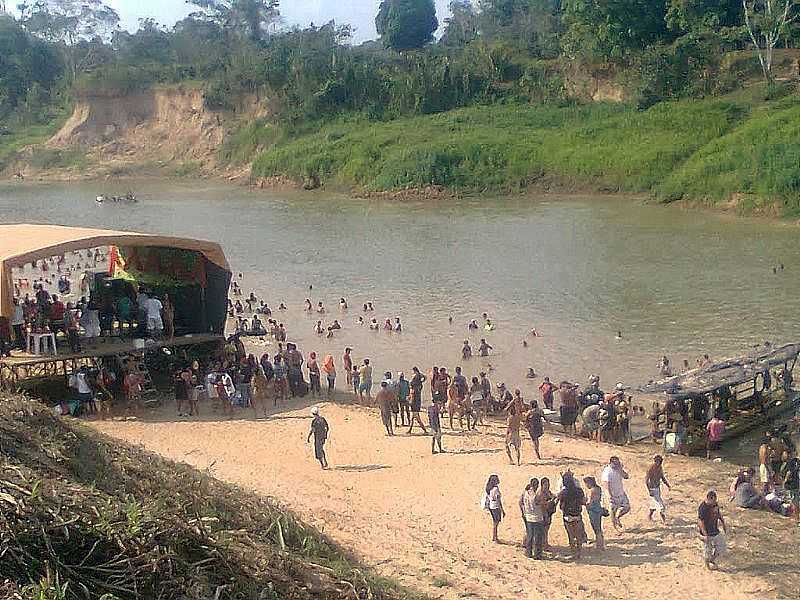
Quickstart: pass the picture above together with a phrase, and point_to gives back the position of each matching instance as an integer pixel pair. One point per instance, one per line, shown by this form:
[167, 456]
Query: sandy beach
[416, 517]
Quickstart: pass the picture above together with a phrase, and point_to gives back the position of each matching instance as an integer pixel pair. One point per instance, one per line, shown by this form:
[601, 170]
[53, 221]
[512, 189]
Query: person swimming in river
[466, 350]
[489, 326]
[387, 325]
[484, 348]
[318, 328]
[531, 373]
[360, 320]
[320, 307]
[473, 325]
[535, 333]
[374, 325]
[365, 307]
[342, 303]
[335, 324]
[282, 306]
[308, 305]
[397, 326]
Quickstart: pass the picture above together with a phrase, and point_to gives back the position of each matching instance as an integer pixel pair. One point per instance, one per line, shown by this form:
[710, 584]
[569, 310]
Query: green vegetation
[16, 134]
[757, 161]
[498, 102]
[82, 516]
[694, 149]
[406, 24]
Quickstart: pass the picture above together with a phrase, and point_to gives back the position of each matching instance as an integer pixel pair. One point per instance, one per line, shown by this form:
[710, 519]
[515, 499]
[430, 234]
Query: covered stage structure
[195, 274]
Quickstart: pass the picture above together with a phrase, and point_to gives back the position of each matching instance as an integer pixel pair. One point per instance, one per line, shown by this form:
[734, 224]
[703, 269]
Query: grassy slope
[82, 516]
[700, 149]
[16, 137]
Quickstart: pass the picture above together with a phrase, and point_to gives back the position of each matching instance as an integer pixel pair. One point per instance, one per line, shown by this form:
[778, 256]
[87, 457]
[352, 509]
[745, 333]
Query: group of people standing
[538, 504]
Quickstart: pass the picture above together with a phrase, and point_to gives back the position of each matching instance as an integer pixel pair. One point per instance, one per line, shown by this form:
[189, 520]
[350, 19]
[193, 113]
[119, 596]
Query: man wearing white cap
[319, 429]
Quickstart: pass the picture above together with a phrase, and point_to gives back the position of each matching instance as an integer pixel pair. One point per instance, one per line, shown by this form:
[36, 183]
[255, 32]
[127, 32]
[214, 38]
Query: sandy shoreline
[415, 517]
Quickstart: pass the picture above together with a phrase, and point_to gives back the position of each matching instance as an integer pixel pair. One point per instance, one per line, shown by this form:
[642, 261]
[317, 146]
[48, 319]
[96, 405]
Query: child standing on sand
[594, 508]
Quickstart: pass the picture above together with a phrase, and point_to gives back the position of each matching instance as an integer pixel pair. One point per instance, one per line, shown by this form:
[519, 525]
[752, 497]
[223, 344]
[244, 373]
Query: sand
[416, 517]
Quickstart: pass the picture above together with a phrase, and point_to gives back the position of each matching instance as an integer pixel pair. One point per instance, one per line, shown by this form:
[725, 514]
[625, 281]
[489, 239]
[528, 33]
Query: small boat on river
[747, 392]
[129, 197]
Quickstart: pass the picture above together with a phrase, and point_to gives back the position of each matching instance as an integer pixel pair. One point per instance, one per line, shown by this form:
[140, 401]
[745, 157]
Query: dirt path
[416, 517]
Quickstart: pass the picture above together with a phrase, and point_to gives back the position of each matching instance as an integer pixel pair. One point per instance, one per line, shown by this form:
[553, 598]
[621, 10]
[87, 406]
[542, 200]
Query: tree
[69, 22]
[461, 27]
[246, 19]
[606, 30]
[406, 24]
[532, 26]
[766, 22]
[150, 43]
[703, 15]
[29, 67]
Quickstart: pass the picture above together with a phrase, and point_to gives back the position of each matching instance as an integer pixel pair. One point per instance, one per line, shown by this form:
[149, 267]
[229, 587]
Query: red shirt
[715, 428]
[57, 310]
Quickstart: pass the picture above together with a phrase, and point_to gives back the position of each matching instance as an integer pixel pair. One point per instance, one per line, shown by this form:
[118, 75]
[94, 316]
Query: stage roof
[23, 243]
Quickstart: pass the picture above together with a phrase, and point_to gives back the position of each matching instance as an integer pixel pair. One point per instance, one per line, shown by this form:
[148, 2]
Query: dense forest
[487, 51]
[484, 52]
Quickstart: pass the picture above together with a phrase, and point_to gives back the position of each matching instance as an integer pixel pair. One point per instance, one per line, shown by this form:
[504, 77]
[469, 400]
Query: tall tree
[703, 15]
[461, 27]
[246, 19]
[606, 30]
[27, 65]
[532, 26]
[766, 22]
[406, 24]
[69, 22]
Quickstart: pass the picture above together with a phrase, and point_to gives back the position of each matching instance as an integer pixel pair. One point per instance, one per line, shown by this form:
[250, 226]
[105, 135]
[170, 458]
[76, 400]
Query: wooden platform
[22, 365]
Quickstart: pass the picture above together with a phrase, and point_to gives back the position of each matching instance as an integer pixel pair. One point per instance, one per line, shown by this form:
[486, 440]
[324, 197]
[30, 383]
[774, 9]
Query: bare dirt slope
[416, 516]
[163, 127]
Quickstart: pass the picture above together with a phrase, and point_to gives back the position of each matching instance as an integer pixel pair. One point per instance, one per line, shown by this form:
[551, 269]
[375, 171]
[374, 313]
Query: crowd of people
[775, 485]
[39, 306]
[538, 504]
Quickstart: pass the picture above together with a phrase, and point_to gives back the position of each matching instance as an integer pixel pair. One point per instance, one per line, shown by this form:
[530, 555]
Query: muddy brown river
[577, 269]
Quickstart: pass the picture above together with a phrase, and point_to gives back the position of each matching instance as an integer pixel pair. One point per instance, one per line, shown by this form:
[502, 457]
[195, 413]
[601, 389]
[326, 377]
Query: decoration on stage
[160, 267]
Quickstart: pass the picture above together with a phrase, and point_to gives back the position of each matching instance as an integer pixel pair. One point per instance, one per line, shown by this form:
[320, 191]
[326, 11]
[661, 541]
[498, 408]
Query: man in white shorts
[613, 475]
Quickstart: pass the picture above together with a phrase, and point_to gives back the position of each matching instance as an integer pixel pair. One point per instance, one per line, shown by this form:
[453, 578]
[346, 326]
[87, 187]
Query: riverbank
[88, 516]
[416, 517]
[730, 154]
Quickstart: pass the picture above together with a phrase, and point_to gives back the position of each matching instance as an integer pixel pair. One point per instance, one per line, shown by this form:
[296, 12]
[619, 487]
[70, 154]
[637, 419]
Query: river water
[577, 269]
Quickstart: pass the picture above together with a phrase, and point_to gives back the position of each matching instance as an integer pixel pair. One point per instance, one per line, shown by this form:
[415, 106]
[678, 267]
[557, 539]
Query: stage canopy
[24, 243]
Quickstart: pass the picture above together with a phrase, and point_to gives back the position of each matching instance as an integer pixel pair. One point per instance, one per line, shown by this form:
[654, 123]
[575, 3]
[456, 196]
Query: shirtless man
[385, 400]
[466, 350]
[512, 434]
